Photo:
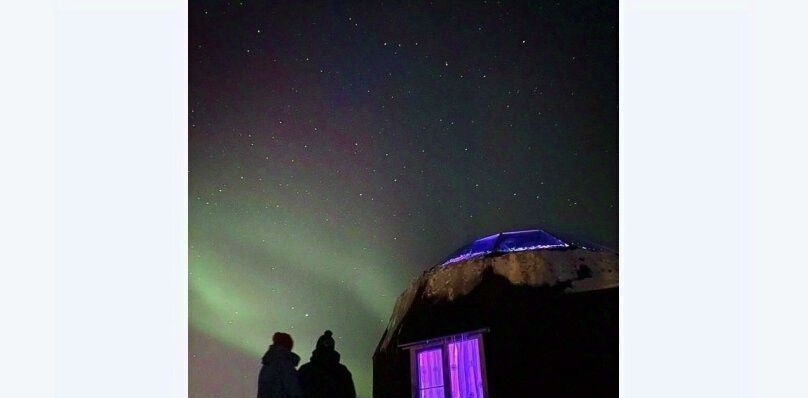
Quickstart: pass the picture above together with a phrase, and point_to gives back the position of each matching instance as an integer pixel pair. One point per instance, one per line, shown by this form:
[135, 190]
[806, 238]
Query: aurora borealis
[337, 150]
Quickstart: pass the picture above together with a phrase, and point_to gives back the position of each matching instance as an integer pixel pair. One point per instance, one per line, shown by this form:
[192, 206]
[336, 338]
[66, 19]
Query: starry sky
[337, 150]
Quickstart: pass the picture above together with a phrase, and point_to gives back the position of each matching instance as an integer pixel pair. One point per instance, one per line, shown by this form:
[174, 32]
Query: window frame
[416, 375]
[443, 344]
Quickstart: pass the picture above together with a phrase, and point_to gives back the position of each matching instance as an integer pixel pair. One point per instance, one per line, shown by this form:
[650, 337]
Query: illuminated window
[465, 370]
[430, 374]
[450, 367]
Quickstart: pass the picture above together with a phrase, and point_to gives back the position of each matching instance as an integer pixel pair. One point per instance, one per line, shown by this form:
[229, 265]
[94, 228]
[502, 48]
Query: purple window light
[430, 374]
[465, 371]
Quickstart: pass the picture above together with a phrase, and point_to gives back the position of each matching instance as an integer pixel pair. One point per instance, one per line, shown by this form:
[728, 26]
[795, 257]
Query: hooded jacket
[278, 377]
[325, 377]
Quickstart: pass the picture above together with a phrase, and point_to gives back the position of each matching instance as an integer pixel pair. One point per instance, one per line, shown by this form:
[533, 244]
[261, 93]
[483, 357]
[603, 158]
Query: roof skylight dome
[507, 242]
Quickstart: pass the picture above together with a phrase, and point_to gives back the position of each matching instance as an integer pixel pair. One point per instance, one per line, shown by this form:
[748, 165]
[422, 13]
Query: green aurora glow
[336, 152]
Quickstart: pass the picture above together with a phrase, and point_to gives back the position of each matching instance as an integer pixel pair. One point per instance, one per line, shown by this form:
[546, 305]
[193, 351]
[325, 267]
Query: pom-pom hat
[325, 342]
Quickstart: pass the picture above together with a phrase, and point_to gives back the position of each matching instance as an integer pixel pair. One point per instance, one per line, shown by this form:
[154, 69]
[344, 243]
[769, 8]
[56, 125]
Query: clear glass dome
[506, 242]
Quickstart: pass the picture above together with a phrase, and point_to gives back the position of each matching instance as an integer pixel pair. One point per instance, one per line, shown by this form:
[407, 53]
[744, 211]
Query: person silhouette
[278, 377]
[323, 376]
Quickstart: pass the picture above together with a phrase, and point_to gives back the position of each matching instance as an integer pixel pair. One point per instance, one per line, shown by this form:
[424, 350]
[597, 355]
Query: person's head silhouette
[283, 340]
[326, 342]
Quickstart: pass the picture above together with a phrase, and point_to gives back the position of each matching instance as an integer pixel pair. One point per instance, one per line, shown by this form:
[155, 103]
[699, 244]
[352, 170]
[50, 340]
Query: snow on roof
[577, 269]
[506, 242]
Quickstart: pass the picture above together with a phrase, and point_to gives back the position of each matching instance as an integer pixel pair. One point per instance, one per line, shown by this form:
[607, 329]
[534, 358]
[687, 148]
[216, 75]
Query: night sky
[338, 150]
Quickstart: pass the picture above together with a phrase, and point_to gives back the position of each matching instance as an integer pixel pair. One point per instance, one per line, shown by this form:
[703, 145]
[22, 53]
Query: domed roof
[507, 242]
[529, 258]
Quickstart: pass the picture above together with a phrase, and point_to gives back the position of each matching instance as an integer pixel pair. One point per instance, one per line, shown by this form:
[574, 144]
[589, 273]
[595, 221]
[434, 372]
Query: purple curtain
[430, 373]
[465, 370]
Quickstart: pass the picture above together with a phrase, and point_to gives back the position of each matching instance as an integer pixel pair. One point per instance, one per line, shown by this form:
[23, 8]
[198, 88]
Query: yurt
[513, 314]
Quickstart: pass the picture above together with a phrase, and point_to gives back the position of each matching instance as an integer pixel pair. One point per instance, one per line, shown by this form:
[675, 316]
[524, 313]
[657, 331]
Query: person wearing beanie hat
[323, 376]
[278, 377]
[325, 341]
